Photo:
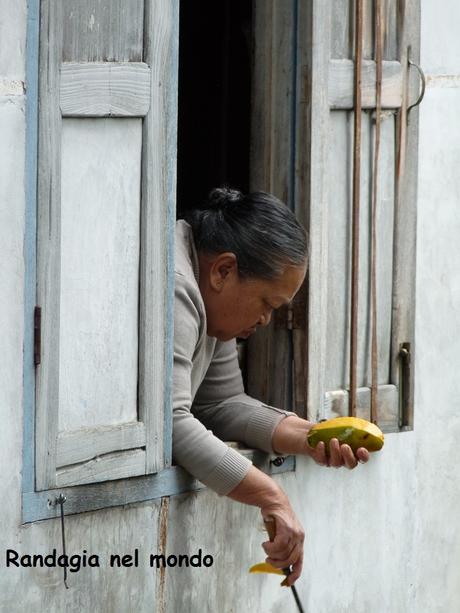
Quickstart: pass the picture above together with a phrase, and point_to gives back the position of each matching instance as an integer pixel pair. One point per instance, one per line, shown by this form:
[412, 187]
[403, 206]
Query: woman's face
[235, 306]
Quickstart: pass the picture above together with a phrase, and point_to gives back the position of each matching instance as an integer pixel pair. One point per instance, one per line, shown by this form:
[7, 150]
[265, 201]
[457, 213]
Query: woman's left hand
[290, 437]
[339, 454]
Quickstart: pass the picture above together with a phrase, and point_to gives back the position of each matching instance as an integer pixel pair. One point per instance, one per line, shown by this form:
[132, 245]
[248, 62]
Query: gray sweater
[209, 403]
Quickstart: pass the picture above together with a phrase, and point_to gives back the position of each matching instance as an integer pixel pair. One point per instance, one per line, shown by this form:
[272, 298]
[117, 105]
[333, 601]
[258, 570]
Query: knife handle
[270, 527]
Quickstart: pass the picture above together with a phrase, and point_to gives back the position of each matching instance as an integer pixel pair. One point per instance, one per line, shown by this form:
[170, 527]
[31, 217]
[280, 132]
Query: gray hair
[258, 228]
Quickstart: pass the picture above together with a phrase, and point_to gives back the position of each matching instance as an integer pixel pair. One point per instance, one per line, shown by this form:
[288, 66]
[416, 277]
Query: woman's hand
[287, 547]
[339, 455]
[290, 437]
[260, 490]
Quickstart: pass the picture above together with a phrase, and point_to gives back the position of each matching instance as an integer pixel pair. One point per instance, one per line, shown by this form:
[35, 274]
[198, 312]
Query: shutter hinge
[293, 316]
[37, 335]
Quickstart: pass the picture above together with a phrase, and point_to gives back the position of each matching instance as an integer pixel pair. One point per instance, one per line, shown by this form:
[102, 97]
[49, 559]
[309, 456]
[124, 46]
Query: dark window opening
[215, 54]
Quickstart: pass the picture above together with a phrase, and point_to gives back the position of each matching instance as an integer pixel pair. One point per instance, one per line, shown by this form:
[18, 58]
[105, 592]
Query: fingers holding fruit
[343, 441]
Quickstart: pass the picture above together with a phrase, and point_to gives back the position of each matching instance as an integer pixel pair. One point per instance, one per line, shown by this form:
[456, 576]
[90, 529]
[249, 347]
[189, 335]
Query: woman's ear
[224, 270]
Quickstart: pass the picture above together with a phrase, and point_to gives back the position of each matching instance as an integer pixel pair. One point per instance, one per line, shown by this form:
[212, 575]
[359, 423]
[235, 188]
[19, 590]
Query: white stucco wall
[384, 538]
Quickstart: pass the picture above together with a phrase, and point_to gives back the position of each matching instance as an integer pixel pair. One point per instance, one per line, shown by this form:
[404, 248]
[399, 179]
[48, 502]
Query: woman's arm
[259, 490]
[194, 447]
[224, 408]
[222, 405]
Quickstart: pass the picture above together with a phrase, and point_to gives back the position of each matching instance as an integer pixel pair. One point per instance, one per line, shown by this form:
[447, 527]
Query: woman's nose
[265, 319]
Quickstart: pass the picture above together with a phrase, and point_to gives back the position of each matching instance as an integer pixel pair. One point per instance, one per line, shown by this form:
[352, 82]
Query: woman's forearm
[290, 436]
[259, 490]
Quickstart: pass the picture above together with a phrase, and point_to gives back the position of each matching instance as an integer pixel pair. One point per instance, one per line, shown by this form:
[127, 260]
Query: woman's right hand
[260, 490]
[287, 547]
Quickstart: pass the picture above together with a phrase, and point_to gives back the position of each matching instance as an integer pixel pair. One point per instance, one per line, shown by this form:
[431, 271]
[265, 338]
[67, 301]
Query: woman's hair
[258, 228]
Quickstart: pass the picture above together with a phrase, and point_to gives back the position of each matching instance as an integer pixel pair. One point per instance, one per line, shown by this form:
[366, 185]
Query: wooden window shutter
[329, 67]
[106, 200]
[309, 92]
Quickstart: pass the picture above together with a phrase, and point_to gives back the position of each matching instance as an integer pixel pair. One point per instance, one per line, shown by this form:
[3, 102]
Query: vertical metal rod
[297, 599]
[270, 526]
[378, 109]
[60, 500]
[356, 202]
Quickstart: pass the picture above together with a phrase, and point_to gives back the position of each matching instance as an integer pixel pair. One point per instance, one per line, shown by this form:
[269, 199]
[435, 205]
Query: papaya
[264, 567]
[353, 431]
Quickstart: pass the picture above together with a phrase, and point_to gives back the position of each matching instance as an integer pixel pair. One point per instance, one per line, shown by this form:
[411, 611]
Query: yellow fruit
[264, 567]
[353, 431]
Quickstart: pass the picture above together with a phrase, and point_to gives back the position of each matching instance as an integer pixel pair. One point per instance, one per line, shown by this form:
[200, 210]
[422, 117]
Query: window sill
[172, 481]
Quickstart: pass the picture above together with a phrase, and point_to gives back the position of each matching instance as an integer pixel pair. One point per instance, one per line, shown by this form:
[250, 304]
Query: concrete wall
[383, 538]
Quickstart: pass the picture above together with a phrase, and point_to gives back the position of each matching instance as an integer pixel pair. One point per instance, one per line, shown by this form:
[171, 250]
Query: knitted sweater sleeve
[232, 415]
[195, 447]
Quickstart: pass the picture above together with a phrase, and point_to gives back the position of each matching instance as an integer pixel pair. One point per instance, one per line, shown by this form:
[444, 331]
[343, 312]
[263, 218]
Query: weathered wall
[383, 538]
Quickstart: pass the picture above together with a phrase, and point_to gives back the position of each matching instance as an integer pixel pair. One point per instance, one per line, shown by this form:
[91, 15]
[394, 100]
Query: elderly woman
[238, 258]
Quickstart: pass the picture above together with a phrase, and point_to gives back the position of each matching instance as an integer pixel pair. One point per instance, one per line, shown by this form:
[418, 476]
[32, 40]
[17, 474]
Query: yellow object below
[264, 567]
[353, 431]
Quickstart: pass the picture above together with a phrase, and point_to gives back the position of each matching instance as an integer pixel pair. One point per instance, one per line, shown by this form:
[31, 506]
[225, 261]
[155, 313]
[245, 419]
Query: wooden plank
[157, 227]
[102, 30]
[302, 187]
[336, 404]
[316, 195]
[385, 233]
[257, 348]
[87, 443]
[269, 351]
[90, 497]
[368, 28]
[118, 465]
[342, 30]
[106, 89]
[338, 273]
[48, 241]
[404, 275]
[100, 243]
[341, 84]
[390, 30]
[30, 242]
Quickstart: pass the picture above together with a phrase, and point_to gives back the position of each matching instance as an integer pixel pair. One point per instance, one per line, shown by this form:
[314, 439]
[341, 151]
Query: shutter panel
[324, 148]
[302, 145]
[106, 194]
[269, 352]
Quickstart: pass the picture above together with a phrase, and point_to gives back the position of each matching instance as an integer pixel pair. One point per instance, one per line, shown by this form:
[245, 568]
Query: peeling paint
[11, 88]
[443, 80]
[162, 541]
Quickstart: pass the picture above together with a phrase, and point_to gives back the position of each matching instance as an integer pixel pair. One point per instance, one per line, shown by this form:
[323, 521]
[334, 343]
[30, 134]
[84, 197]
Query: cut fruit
[264, 567]
[353, 431]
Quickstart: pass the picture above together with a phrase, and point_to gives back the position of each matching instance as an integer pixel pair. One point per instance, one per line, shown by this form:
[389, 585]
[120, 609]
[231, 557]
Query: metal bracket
[404, 382]
[37, 335]
[422, 80]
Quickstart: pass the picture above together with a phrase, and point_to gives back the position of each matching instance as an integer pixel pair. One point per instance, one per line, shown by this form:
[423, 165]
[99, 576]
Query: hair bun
[221, 197]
